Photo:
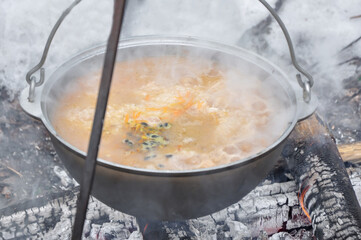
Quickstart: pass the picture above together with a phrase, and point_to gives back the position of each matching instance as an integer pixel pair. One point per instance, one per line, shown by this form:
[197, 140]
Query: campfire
[313, 190]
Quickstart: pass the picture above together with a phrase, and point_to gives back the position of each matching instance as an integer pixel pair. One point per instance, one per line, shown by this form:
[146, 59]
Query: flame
[145, 228]
[301, 198]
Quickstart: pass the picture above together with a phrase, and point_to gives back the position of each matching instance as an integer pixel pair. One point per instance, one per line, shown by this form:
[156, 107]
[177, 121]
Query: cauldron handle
[31, 80]
[306, 84]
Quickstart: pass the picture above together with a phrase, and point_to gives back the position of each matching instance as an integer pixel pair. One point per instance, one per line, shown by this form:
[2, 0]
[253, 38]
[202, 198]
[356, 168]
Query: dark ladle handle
[86, 181]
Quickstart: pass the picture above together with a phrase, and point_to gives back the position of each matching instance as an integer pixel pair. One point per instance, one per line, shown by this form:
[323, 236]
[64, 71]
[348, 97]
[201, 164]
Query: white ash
[268, 210]
[136, 235]
[108, 229]
[355, 177]
[33, 222]
[221, 216]
[238, 230]
[298, 235]
[264, 210]
[203, 228]
[66, 181]
[295, 221]
[63, 228]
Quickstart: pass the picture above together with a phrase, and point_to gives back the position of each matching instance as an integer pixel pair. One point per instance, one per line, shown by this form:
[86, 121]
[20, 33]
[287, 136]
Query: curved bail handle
[306, 84]
[32, 81]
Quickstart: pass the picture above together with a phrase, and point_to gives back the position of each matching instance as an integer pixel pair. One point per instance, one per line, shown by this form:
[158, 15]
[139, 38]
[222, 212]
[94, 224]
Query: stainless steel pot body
[170, 196]
[167, 195]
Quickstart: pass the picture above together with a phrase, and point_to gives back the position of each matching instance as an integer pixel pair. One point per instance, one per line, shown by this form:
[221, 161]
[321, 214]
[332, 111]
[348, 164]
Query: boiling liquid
[171, 113]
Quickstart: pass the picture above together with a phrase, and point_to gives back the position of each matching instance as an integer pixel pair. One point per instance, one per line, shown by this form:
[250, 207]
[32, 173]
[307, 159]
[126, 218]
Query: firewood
[269, 208]
[354, 17]
[350, 152]
[325, 191]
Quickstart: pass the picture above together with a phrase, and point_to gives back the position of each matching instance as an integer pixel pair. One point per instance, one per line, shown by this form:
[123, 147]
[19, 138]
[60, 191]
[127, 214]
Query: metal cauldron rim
[176, 41]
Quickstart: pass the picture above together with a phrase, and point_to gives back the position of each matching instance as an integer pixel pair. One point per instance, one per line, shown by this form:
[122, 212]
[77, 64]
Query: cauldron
[160, 194]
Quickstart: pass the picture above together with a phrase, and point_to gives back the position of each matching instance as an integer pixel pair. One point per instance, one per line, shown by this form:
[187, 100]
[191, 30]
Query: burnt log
[268, 209]
[325, 191]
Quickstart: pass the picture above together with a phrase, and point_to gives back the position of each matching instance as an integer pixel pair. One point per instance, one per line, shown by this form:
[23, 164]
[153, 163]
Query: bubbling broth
[173, 113]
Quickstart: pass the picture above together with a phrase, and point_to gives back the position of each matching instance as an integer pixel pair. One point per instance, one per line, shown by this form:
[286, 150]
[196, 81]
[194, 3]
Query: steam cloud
[319, 31]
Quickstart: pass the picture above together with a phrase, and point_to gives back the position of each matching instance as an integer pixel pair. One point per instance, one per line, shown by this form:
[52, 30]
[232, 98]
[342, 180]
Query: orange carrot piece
[126, 118]
[165, 109]
[153, 109]
[177, 112]
[174, 104]
[189, 104]
[180, 99]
